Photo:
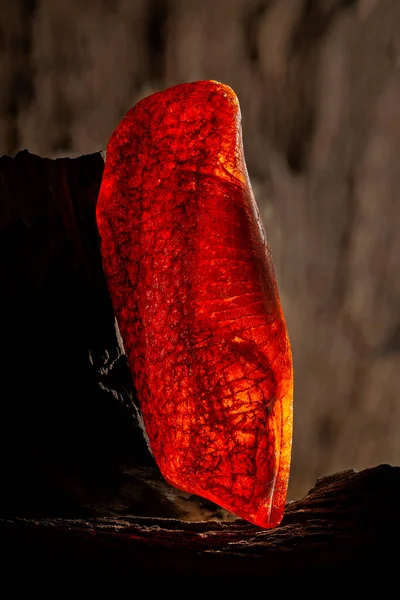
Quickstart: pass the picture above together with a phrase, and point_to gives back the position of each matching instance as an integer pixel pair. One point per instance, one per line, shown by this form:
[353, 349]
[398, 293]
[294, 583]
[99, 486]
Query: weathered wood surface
[347, 527]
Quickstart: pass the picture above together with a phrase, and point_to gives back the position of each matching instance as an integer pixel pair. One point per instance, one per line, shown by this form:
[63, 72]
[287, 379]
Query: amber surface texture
[193, 288]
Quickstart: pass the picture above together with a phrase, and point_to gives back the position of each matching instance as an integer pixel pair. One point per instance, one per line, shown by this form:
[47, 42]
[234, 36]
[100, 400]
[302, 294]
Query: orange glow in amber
[193, 288]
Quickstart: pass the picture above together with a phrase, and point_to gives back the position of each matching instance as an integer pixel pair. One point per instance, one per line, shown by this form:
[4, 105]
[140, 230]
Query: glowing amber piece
[194, 292]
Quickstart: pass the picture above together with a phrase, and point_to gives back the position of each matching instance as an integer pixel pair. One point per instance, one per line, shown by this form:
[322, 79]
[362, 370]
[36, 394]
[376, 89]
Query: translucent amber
[194, 292]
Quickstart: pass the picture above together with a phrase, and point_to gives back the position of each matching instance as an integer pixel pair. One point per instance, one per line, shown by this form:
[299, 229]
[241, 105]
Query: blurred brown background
[319, 87]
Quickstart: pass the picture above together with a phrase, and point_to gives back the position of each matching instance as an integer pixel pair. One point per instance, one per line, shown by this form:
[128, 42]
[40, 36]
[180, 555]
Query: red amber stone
[194, 292]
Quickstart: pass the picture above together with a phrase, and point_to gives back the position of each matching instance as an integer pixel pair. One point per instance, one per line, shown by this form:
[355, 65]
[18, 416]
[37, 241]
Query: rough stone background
[319, 87]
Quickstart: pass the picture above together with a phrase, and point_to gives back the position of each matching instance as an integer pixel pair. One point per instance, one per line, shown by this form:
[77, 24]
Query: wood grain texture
[344, 530]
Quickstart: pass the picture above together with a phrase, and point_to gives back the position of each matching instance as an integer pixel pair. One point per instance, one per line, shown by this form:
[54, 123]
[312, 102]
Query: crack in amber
[194, 292]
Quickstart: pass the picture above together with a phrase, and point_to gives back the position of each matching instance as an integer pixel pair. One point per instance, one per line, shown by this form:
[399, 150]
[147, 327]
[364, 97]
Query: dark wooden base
[346, 528]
